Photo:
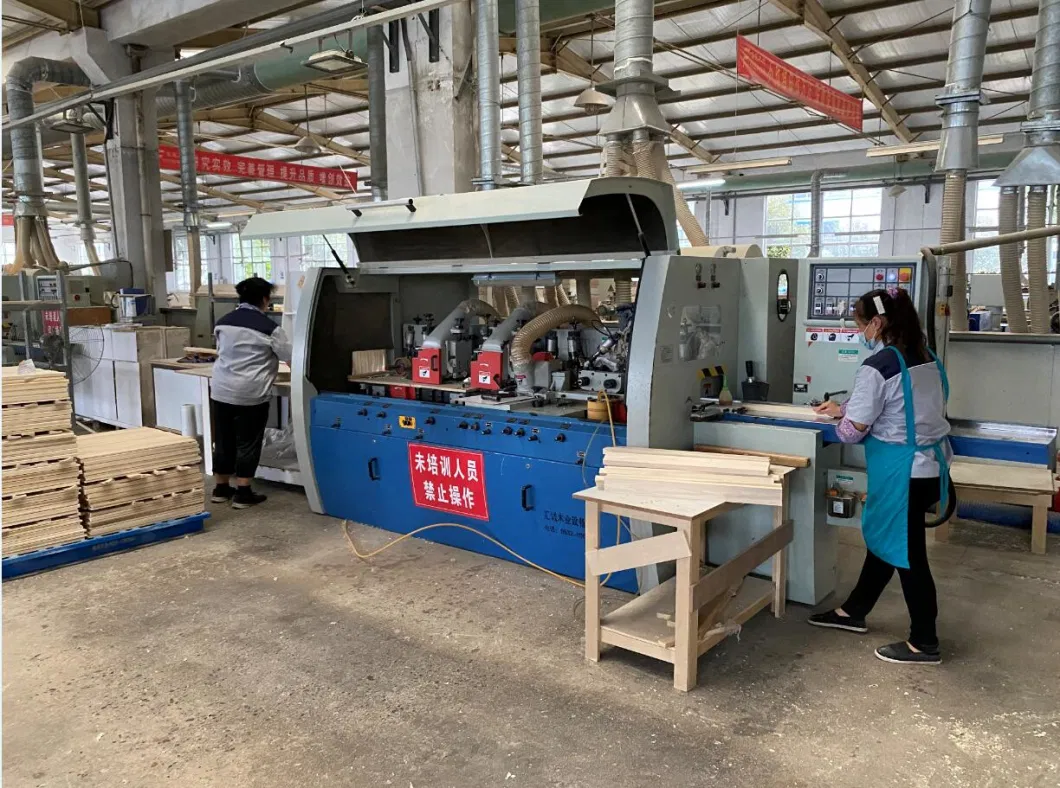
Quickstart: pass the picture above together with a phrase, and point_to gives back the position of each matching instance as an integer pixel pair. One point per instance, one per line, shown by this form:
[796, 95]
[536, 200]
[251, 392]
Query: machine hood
[571, 219]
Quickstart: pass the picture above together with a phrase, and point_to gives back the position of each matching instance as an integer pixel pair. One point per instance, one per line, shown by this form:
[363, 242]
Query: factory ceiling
[890, 53]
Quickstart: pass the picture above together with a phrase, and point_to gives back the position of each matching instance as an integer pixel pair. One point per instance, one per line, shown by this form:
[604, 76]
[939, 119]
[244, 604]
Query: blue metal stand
[75, 552]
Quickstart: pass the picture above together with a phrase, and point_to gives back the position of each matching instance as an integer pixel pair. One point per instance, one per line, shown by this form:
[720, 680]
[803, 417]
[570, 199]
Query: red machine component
[427, 366]
[486, 372]
[402, 392]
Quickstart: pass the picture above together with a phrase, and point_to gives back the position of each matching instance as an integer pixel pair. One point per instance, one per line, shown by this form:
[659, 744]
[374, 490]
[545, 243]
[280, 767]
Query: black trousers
[238, 433]
[918, 587]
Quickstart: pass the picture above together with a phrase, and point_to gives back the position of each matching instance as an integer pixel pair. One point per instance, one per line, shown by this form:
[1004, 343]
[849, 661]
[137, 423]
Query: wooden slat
[691, 477]
[138, 513]
[39, 506]
[641, 552]
[655, 506]
[38, 477]
[998, 476]
[695, 491]
[786, 460]
[39, 448]
[727, 574]
[115, 492]
[36, 418]
[753, 596]
[663, 459]
[109, 455]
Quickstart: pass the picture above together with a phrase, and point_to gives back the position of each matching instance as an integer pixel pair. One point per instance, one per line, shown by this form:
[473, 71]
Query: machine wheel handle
[525, 494]
[373, 469]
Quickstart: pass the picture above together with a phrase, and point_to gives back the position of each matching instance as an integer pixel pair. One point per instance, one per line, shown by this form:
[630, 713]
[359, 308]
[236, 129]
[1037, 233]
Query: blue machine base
[75, 552]
[531, 465]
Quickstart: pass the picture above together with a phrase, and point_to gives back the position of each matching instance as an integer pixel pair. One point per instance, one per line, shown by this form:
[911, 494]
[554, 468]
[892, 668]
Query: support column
[438, 155]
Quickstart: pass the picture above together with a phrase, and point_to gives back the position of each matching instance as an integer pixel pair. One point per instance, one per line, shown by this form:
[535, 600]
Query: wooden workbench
[683, 618]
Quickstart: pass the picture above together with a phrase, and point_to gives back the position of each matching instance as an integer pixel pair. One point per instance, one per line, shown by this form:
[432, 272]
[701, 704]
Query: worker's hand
[830, 408]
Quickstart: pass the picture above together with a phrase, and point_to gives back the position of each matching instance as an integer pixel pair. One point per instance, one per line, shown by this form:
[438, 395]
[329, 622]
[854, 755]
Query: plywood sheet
[40, 476]
[115, 492]
[35, 418]
[41, 385]
[20, 509]
[109, 455]
[39, 448]
[139, 513]
[47, 533]
[998, 476]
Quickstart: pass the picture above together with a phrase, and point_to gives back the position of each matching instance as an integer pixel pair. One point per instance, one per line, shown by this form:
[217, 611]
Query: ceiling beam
[814, 18]
[218, 38]
[267, 122]
[72, 15]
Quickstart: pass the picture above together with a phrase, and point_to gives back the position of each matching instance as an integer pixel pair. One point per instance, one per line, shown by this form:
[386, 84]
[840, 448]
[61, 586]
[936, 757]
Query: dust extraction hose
[623, 290]
[1037, 265]
[520, 353]
[953, 230]
[471, 306]
[685, 217]
[1011, 278]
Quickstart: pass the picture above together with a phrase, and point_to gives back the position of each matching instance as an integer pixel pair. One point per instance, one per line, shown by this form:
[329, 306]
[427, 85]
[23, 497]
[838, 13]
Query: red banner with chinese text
[757, 65]
[448, 480]
[213, 163]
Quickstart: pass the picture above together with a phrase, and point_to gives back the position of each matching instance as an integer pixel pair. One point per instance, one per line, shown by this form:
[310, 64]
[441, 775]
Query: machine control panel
[836, 288]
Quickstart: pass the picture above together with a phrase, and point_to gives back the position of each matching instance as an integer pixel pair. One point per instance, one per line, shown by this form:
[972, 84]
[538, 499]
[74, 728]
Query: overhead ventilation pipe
[487, 57]
[959, 152]
[1011, 276]
[816, 211]
[528, 56]
[520, 353]
[1037, 166]
[188, 186]
[377, 112]
[83, 189]
[33, 243]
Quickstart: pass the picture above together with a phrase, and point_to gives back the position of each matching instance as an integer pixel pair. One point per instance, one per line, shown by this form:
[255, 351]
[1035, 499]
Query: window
[181, 264]
[850, 223]
[9, 252]
[102, 252]
[251, 257]
[788, 225]
[682, 238]
[987, 201]
[316, 254]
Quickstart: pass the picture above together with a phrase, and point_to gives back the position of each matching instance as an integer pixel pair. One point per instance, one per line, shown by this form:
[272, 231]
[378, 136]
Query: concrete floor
[261, 653]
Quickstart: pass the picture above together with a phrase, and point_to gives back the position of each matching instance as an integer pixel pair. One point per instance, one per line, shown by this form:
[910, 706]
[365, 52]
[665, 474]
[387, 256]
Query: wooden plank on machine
[786, 460]
[655, 549]
[726, 575]
[664, 459]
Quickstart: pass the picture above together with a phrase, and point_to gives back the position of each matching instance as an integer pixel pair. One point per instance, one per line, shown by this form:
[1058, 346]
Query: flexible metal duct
[79, 160]
[471, 306]
[520, 353]
[528, 55]
[377, 112]
[623, 290]
[487, 56]
[188, 186]
[952, 274]
[1011, 277]
[695, 234]
[1037, 264]
[504, 330]
[816, 210]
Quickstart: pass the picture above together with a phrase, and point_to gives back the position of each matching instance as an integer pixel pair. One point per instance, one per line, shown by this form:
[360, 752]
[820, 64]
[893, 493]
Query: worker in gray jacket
[250, 347]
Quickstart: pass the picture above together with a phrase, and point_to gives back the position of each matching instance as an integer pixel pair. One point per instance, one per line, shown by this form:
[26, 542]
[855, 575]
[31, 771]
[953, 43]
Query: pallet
[28, 508]
[35, 418]
[110, 455]
[41, 476]
[42, 385]
[139, 513]
[51, 446]
[139, 486]
[52, 557]
[26, 538]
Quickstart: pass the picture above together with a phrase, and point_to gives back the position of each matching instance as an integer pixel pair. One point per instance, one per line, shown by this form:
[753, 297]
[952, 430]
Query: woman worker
[898, 409]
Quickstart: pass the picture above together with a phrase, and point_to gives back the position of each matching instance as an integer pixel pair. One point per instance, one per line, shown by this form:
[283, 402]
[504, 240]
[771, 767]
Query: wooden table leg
[686, 617]
[592, 584]
[1039, 526]
[942, 532]
[780, 559]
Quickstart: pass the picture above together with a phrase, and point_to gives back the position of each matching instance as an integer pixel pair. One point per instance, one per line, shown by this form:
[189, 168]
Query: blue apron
[885, 517]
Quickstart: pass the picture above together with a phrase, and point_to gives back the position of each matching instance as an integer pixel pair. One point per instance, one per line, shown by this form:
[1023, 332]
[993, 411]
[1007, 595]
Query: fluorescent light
[698, 185]
[924, 147]
[734, 166]
[334, 62]
[218, 225]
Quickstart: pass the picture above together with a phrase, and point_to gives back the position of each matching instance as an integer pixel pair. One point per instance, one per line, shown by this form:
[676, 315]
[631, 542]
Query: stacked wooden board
[132, 478]
[682, 474]
[40, 474]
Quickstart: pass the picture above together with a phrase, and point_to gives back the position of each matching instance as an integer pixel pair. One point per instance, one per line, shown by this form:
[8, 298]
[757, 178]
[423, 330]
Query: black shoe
[245, 497]
[832, 620]
[901, 654]
[222, 493]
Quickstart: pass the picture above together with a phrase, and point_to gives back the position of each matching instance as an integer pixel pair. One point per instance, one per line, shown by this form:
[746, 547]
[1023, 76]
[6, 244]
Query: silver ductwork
[377, 112]
[1038, 164]
[635, 83]
[188, 186]
[958, 153]
[816, 206]
[83, 189]
[528, 54]
[487, 57]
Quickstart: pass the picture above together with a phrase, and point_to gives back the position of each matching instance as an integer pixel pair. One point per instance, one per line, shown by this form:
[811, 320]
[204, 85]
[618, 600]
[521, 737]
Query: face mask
[872, 345]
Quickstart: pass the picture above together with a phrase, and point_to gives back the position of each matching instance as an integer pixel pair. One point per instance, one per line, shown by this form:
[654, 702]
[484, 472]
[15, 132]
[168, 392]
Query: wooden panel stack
[683, 475]
[40, 474]
[132, 478]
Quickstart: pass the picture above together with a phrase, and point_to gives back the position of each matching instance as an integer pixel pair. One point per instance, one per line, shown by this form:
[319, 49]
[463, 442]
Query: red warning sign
[448, 480]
